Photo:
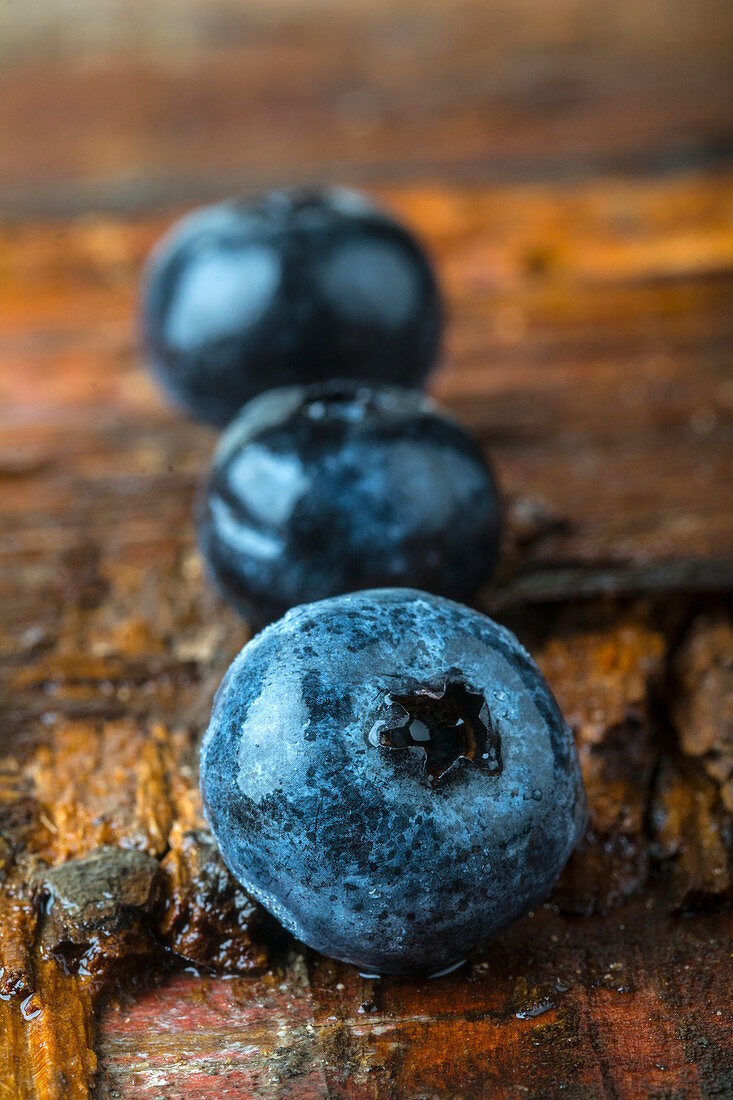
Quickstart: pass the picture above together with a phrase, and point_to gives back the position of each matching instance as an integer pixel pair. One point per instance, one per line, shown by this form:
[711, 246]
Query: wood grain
[589, 348]
[553, 1008]
[589, 352]
[568, 164]
[109, 102]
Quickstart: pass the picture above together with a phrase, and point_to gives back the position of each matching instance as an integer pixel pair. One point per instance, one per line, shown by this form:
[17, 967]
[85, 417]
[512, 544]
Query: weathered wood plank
[589, 350]
[132, 102]
[600, 382]
[631, 1005]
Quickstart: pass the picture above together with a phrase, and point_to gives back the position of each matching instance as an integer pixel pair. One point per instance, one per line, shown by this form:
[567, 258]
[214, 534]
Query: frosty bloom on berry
[389, 774]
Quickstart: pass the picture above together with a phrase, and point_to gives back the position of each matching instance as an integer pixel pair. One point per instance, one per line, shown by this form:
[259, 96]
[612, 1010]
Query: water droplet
[536, 1009]
[447, 969]
[31, 1007]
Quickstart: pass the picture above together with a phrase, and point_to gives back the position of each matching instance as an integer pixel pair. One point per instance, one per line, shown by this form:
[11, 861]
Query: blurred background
[121, 103]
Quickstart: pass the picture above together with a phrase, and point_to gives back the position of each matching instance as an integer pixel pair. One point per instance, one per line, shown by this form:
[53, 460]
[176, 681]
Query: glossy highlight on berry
[331, 488]
[289, 288]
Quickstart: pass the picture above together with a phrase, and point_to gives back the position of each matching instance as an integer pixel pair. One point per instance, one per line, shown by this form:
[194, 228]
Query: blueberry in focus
[290, 288]
[388, 773]
[339, 486]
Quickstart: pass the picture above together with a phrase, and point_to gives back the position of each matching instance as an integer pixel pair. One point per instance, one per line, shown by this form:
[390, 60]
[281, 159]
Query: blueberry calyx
[448, 723]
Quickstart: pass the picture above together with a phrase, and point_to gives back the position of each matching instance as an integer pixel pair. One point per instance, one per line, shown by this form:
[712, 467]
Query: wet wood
[589, 350]
[551, 1008]
[598, 380]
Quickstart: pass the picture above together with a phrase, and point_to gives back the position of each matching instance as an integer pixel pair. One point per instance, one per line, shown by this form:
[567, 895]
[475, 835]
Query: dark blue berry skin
[389, 774]
[290, 288]
[342, 486]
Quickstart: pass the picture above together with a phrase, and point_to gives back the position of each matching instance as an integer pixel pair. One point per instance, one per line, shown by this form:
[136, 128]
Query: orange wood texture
[120, 102]
[568, 166]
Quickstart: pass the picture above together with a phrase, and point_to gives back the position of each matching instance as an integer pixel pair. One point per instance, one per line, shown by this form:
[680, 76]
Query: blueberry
[290, 288]
[389, 774]
[325, 489]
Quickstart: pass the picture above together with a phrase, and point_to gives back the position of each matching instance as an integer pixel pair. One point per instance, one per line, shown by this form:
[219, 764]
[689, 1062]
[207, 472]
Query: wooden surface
[116, 102]
[568, 166]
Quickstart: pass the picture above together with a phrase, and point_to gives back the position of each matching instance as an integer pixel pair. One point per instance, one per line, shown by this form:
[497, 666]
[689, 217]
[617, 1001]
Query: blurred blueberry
[290, 288]
[341, 486]
[388, 773]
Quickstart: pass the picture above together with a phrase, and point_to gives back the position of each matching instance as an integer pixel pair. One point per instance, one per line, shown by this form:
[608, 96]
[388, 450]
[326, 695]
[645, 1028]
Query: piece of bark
[100, 912]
